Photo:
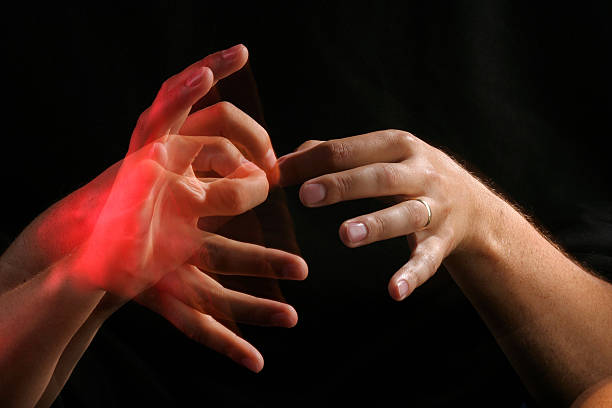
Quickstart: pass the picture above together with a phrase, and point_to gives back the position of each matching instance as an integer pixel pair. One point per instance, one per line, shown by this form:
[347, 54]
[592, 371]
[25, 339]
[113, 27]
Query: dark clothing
[520, 93]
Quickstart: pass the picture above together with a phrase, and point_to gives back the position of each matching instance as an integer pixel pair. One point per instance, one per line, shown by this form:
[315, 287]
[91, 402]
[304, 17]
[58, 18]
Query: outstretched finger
[198, 290]
[204, 329]
[342, 154]
[179, 93]
[228, 257]
[424, 262]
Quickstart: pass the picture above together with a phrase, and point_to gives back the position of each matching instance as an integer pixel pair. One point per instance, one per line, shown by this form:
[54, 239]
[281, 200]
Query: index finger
[225, 119]
[343, 154]
[180, 92]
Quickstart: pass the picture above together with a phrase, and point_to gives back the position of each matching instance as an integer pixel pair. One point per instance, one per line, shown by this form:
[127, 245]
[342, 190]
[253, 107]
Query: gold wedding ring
[428, 213]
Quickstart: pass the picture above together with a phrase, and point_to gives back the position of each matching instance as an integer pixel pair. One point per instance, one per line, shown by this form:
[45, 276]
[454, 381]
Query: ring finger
[401, 219]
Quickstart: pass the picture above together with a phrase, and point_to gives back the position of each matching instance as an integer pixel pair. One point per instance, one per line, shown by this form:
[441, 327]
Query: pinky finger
[424, 262]
[204, 329]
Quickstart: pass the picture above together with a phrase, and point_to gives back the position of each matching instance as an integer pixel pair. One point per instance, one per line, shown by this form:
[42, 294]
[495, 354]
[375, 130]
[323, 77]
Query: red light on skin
[272, 170]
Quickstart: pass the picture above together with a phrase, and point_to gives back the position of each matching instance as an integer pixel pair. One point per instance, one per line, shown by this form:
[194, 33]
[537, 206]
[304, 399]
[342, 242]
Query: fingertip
[255, 365]
[292, 317]
[313, 194]
[297, 270]
[200, 77]
[270, 164]
[353, 233]
[399, 289]
[251, 359]
[235, 52]
[208, 75]
[273, 176]
[231, 60]
[286, 172]
[345, 237]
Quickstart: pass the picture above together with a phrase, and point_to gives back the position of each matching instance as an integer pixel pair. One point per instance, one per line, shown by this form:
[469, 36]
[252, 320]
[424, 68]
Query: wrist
[489, 223]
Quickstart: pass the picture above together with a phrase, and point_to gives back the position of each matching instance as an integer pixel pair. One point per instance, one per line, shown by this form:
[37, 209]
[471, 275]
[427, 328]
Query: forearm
[55, 232]
[76, 347]
[550, 316]
[37, 321]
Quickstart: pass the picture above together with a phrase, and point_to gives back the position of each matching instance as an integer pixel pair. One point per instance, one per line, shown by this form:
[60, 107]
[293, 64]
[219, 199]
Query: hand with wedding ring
[435, 197]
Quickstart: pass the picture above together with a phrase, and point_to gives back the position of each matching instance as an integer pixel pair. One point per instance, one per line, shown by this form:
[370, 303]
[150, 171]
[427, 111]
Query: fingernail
[356, 231]
[402, 288]
[250, 364]
[195, 78]
[269, 159]
[231, 52]
[312, 193]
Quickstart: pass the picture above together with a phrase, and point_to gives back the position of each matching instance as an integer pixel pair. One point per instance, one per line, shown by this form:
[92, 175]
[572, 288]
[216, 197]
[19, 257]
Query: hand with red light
[149, 224]
[52, 321]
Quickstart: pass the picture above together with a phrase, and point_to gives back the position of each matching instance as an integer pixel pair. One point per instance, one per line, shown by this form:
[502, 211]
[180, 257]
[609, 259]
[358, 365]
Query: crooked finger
[424, 262]
[224, 119]
[243, 189]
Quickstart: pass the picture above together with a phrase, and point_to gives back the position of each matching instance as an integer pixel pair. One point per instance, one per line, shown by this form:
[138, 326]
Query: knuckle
[401, 139]
[237, 200]
[377, 225]
[336, 152]
[411, 213]
[143, 118]
[164, 88]
[224, 144]
[430, 263]
[148, 169]
[342, 186]
[210, 257]
[223, 109]
[390, 175]
[431, 175]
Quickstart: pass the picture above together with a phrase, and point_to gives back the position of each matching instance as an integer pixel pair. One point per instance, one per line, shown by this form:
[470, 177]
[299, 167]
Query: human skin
[60, 280]
[550, 316]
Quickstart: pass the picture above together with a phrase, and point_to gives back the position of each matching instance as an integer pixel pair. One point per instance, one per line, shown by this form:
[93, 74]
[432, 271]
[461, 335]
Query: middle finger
[374, 180]
[228, 257]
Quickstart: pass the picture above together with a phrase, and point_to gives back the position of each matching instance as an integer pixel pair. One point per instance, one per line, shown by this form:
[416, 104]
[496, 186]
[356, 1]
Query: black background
[519, 92]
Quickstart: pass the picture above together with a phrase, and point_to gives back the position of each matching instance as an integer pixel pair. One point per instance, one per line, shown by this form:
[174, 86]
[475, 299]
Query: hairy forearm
[551, 317]
[37, 321]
